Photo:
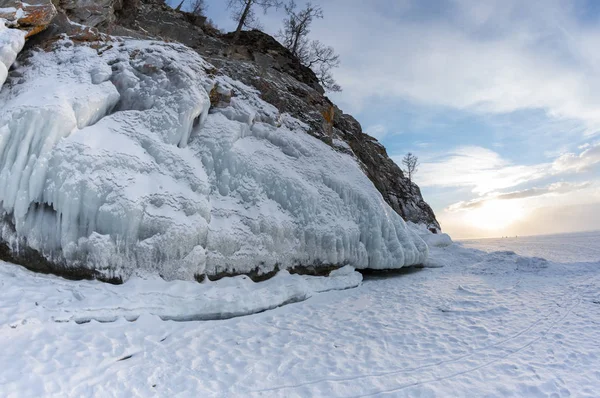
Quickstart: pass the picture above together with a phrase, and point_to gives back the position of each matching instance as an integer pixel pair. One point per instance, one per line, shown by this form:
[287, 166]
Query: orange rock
[33, 16]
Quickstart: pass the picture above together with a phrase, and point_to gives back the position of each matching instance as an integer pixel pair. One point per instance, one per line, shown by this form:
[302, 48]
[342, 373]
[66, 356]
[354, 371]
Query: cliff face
[138, 153]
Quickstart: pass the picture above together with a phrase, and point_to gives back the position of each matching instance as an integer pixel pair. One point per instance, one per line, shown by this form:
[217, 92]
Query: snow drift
[113, 159]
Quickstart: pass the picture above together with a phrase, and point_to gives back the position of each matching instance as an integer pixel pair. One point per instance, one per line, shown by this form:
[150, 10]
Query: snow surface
[487, 324]
[11, 43]
[566, 248]
[109, 159]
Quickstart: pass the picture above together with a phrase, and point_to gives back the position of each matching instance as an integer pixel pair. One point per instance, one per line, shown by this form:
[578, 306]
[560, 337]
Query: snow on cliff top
[110, 159]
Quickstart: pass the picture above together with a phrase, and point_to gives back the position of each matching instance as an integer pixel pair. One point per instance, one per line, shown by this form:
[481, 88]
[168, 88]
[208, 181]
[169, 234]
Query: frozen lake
[488, 323]
[566, 248]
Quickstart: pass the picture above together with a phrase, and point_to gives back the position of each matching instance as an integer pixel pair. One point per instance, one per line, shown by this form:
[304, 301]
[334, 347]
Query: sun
[495, 215]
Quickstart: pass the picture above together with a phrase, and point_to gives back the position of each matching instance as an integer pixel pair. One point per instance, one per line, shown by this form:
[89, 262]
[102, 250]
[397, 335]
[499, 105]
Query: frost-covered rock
[32, 16]
[91, 12]
[111, 161]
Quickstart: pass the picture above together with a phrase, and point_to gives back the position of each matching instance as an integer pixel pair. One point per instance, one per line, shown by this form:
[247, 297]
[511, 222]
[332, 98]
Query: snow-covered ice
[110, 159]
[565, 248]
[174, 300]
[488, 323]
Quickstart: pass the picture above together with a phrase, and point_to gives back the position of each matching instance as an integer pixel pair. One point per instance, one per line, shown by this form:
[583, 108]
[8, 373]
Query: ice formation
[83, 301]
[110, 160]
[11, 43]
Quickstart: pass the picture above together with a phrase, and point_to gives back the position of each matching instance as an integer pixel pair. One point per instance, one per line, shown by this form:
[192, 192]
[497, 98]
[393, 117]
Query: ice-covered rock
[111, 161]
[438, 240]
[11, 43]
[505, 262]
[432, 239]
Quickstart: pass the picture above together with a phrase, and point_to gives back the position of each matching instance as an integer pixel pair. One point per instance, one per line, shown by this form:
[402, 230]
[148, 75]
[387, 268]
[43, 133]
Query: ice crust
[87, 301]
[110, 160]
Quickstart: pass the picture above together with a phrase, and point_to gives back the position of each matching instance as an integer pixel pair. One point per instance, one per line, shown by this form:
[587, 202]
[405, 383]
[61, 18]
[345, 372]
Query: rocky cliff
[122, 150]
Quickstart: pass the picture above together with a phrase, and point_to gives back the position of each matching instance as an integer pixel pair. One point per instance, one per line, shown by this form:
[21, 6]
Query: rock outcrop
[94, 13]
[162, 160]
[33, 16]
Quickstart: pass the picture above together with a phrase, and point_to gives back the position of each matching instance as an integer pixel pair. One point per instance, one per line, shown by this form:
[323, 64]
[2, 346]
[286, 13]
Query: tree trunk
[295, 45]
[180, 5]
[242, 20]
[297, 34]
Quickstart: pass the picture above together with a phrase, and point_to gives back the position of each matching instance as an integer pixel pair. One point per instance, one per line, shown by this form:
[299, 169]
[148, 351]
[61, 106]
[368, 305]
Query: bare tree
[198, 7]
[322, 59]
[243, 12]
[410, 162]
[313, 54]
[296, 27]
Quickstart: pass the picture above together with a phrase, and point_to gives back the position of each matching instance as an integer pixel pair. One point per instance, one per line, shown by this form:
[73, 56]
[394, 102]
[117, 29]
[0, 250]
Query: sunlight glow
[495, 215]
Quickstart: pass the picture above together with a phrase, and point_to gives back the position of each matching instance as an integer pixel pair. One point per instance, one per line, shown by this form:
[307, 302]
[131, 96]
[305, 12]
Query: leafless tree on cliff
[322, 59]
[243, 13]
[313, 54]
[198, 7]
[296, 27]
[410, 162]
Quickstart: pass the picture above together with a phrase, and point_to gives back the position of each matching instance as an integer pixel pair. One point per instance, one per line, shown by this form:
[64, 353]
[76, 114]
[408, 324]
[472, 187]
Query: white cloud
[493, 212]
[491, 56]
[486, 171]
[378, 131]
[556, 188]
[571, 162]
[479, 168]
[422, 145]
[566, 209]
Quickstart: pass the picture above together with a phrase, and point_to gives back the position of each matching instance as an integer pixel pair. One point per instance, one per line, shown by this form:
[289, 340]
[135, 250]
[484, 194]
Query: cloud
[479, 168]
[547, 219]
[422, 145]
[378, 131]
[555, 188]
[559, 207]
[491, 56]
[485, 171]
[571, 162]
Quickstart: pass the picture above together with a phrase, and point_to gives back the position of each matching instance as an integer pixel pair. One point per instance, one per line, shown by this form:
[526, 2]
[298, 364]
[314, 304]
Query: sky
[499, 99]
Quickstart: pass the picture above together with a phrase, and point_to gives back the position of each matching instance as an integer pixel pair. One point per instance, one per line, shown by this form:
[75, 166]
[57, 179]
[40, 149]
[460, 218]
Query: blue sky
[500, 99]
